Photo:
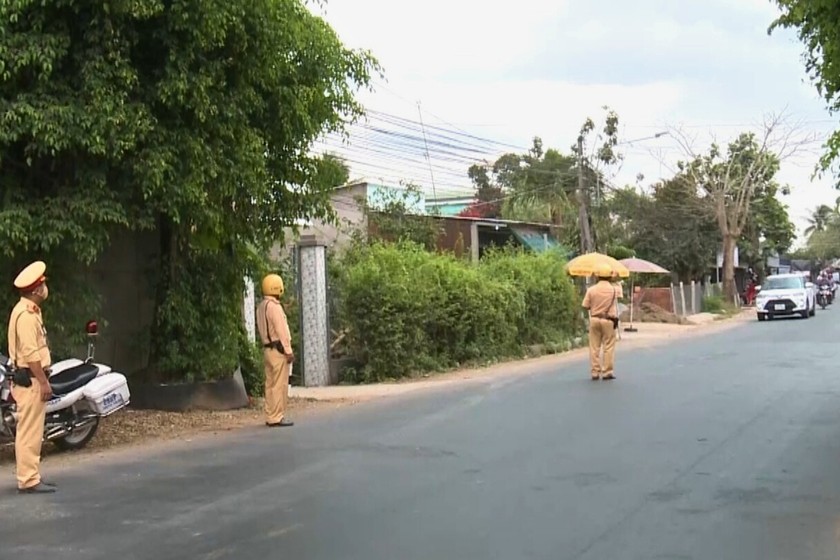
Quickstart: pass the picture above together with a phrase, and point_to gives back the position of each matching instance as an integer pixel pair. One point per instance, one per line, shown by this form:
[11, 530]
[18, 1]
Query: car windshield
[789, 283]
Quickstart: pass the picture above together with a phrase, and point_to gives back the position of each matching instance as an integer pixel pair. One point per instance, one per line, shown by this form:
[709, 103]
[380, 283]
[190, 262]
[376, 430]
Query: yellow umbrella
[587, 265]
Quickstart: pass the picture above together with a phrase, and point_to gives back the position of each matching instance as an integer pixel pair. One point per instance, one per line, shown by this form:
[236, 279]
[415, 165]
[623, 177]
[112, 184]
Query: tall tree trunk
[729, 286]
[167, 271]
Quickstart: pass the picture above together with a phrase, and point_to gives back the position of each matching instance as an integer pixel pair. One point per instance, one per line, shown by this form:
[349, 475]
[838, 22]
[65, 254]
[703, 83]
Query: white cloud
[435, 37]
[540, 67]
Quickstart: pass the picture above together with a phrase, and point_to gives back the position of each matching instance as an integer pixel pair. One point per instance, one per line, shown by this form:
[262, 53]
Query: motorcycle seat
[71, 379]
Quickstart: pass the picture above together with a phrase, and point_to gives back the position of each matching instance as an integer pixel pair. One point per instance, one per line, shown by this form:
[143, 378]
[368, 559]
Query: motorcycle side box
[108, 393]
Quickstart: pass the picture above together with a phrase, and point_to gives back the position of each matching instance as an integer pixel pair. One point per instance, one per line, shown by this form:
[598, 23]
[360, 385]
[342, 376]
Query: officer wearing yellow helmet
[601, 302]
[30, 356]
[278, 356]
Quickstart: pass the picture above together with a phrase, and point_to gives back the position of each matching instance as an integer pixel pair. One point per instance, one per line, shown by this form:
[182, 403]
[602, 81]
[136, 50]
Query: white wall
[350, 216]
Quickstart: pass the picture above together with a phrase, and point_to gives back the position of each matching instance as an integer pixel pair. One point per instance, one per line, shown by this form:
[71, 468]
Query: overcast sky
[504, 73]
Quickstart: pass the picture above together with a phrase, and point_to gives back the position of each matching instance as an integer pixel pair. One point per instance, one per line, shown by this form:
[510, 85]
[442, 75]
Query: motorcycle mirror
[92, 328]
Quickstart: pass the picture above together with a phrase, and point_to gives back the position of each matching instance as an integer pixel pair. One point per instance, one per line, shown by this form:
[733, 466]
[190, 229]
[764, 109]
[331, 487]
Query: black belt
[27, 371]
[276, 345]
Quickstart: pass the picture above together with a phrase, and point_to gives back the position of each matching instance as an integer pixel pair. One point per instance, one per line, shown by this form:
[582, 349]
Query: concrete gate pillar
[314, 311]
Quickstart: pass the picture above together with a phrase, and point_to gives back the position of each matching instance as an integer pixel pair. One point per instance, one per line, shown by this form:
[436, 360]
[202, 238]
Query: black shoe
[281, 424]
[37, 489]
[609, 377]
[49, 484]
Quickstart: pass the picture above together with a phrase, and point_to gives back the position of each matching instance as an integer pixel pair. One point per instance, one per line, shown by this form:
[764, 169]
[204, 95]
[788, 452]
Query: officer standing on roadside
[277, 351]
[601, 300]
[30, 356]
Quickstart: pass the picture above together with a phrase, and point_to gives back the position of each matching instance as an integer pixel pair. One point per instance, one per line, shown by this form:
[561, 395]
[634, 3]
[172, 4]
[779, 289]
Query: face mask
[45, 292]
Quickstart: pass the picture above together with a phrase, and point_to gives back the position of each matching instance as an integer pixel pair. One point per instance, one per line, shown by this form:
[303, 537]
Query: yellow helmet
[605, 271]
[272, 285]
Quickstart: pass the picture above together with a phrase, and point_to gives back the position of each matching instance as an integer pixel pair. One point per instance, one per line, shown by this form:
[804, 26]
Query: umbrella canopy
[587, 265]
[642, 266]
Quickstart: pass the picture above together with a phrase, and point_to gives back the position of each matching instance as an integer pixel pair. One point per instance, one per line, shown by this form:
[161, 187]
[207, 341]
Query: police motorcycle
[83, 393]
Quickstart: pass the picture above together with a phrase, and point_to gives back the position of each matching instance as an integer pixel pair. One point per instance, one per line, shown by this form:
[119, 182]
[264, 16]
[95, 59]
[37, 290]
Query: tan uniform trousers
[601, 334]
[276, 385]
[29, 435]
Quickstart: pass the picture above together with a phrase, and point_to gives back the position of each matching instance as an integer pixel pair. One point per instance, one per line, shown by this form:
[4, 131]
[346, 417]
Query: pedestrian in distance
[29, 354]
[601, 302]
[278, 355]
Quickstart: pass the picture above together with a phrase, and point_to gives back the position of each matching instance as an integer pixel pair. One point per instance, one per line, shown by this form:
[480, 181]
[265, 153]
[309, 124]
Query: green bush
[251, 364]
[552, 312]
[406, 310]
[712, 304]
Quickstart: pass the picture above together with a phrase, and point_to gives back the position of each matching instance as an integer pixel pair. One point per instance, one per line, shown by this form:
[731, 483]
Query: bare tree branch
[733, 175]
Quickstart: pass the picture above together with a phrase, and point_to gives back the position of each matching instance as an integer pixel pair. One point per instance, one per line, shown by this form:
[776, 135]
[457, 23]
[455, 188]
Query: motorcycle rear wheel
[78, 439]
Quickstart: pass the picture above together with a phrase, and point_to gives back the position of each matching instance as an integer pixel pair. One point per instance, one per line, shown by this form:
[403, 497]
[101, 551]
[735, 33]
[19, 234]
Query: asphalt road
[721, 447]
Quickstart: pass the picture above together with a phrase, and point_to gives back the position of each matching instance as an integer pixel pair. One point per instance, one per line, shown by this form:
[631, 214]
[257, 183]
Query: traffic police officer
[277, 350]
[601, 300]
[30, 355]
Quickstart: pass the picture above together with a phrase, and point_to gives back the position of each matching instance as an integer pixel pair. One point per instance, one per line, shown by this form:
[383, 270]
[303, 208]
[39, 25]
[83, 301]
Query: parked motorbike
[83, 393]
[824, 296]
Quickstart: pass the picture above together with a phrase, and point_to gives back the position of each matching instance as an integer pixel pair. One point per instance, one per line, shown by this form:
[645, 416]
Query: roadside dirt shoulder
[646, 335]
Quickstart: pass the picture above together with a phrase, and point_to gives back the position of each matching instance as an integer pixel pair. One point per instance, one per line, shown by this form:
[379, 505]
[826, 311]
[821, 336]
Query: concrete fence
[682, 299]
[687, 298]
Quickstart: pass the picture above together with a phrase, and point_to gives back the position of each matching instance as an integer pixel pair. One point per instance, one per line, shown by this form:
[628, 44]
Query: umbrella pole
[631, 328]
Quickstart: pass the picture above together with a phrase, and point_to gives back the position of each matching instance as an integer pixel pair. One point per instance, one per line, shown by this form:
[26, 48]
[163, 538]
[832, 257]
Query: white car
[786, 294]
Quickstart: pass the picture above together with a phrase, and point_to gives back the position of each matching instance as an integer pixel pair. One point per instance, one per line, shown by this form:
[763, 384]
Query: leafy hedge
[406, 310]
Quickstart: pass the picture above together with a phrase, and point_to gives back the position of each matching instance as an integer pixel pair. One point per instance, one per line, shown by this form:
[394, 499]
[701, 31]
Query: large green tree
[674, 226]
[768, 230]
[540, 185]
[488, 195]
[191, 118]
[737, 178]
[820, 219]
[817, 22]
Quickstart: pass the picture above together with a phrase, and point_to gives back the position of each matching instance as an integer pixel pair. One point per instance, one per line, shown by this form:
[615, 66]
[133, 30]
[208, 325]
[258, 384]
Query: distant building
[468, 237]
[349, 202]
[473, 236]
[451, 206]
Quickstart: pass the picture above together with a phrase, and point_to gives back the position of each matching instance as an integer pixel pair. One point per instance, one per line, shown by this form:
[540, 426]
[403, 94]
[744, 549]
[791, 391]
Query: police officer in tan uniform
[601, 301]
[30, 355]
[277, 350]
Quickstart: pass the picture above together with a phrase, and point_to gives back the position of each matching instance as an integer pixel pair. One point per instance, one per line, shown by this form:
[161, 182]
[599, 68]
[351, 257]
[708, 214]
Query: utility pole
[583, 205]
[428, 158]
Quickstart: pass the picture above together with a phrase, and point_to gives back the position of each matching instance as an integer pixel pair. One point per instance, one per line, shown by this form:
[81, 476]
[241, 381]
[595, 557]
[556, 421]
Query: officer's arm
[281, 326]
[586, 303]
[28, 351]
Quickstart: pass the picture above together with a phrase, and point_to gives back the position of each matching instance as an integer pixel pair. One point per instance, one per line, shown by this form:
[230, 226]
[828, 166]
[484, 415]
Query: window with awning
[534, 239]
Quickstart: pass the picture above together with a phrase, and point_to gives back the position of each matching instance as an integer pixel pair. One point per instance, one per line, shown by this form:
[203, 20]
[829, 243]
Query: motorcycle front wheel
[78, 438]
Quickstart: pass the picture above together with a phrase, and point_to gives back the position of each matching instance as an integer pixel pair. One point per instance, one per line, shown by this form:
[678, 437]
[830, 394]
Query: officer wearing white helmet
[278, 356]
[30, 356]
[601, 301]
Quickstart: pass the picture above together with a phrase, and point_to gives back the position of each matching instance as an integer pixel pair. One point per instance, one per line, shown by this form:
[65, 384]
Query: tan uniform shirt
[273, 325]
[601, 299]
[27, 336]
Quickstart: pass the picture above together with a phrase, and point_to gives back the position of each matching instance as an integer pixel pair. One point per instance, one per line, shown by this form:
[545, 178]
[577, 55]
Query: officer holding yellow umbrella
[601, 301]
